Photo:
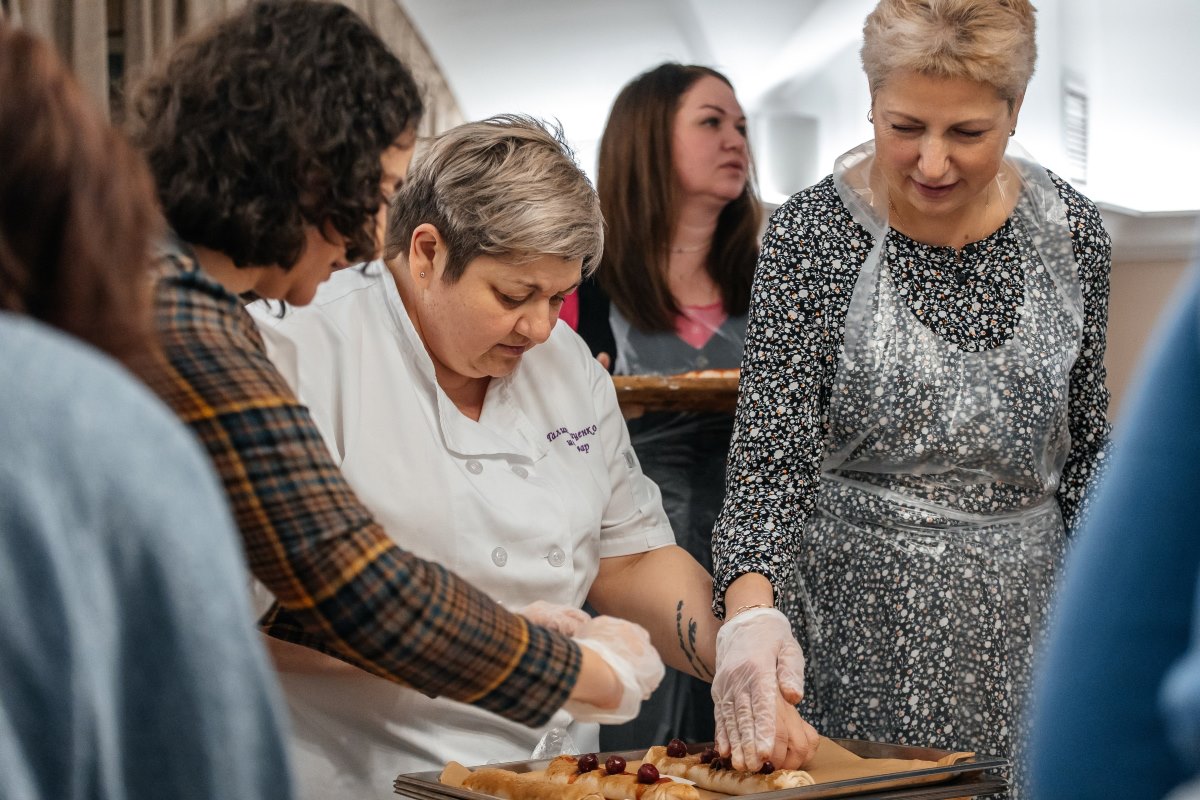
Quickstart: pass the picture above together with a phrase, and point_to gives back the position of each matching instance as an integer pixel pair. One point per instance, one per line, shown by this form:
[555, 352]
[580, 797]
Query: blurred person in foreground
[129, 665]
[670, 296]
[275, 137]
[922, 402]
[443, 370]
[1117, 708]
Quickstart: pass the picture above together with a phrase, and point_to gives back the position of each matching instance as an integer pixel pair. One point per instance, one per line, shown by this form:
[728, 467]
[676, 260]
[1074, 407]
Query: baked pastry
[717, 776]
[509, 785]
[614, 783]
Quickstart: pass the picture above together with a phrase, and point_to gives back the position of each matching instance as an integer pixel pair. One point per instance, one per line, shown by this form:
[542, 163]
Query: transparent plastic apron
[929, 561]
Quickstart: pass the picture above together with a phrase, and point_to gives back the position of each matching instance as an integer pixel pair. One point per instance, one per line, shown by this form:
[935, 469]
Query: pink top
[569, 313]
[697, 324]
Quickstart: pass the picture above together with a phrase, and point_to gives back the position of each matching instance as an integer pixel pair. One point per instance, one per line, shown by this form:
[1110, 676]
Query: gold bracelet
[740, 609]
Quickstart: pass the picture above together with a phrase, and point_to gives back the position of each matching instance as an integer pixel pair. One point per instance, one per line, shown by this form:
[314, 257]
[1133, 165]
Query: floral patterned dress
[916, 431]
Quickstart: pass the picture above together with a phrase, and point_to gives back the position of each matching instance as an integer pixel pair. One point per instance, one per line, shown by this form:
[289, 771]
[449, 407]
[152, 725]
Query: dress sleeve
[787, 369]
[1088, 398]
[341, 584]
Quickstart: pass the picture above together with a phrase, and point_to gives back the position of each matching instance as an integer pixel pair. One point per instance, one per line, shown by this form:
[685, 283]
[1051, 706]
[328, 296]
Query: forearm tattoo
[686, 631]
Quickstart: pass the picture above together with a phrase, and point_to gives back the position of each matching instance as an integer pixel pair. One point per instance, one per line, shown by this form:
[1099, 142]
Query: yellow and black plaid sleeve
[342, 585]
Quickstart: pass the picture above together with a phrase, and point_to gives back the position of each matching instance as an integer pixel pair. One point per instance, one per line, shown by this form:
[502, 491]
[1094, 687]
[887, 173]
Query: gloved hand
[626, 648]
[757, 661]
[796, 741]
[558, 618]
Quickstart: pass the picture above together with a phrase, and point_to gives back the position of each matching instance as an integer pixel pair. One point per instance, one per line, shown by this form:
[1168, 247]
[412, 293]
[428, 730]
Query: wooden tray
[677, 392]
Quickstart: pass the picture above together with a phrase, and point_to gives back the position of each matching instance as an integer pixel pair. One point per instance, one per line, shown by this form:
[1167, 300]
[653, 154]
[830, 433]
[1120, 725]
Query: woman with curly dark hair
[275, 137]
[129, 669]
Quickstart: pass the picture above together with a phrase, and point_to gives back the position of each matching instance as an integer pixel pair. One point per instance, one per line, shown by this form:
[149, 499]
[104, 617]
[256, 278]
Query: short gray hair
[990, 41]
[506, 186]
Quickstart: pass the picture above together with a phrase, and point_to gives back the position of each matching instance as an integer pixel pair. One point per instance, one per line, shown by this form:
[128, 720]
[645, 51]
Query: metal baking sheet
[969, 778]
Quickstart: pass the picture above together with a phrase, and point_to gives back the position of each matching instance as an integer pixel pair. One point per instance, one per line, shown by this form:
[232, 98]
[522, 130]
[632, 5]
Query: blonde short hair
[990, 41]
[506, 186]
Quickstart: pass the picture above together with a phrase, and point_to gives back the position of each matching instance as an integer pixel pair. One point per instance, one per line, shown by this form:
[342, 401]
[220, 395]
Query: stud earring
[422, 274]
[871, 115]
[1013, 132]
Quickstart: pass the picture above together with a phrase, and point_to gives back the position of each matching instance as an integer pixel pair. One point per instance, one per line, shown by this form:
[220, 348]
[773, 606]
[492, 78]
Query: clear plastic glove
[758, 660]
[626, 648]
[559, 618]
[796, 741]
[554, 742]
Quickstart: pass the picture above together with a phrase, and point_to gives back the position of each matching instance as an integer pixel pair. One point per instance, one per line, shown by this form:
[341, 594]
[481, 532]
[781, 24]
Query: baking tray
[677, 392]
[970, 778]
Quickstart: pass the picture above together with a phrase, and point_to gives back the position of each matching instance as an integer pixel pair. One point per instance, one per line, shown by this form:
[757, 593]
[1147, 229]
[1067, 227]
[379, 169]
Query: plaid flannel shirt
[341, 584]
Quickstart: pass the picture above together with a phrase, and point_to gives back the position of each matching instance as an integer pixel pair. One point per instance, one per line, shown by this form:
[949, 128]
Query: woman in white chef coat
[441, 375]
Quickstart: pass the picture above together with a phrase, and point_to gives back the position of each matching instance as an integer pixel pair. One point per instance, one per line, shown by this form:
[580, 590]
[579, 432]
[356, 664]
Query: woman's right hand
[620, 669]
[758, 661]
[795, 740]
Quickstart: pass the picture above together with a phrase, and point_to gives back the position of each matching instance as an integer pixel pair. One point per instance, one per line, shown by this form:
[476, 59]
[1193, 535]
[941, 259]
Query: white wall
[1145, 84]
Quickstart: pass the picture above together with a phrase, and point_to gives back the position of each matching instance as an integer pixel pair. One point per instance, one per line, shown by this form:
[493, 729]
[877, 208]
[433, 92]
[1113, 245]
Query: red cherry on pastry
[647, 773]
[676, 748]
[707, 755]
[615, 765]
[767, 768]
[588, 762]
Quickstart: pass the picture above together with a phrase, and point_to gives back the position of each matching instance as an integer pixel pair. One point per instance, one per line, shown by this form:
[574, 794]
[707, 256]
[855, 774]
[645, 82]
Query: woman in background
[922, 406]
[676, 186]
[130, 664]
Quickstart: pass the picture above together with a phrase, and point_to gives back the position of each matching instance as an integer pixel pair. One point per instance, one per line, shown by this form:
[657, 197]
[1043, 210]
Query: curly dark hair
[77, 209]
[273, 118]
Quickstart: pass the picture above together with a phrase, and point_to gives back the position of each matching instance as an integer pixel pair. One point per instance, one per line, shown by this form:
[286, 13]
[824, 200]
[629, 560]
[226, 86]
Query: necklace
[695, 249]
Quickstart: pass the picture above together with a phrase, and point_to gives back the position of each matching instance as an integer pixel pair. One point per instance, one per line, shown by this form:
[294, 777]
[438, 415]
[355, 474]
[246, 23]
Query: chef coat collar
[503, 428]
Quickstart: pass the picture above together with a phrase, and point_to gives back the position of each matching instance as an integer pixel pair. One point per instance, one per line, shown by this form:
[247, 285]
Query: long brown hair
[77, 206]
[636, 183]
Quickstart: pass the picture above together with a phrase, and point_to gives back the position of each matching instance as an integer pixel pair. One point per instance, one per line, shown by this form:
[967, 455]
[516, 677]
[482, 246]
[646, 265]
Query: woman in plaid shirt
[274, 138]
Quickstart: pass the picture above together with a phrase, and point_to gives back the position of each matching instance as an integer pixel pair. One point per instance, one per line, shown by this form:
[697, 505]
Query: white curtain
[79, 29]
[87, 32]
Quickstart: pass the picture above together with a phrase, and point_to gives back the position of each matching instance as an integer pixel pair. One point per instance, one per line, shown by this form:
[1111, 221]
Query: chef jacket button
[556, 556]
[474, 467]
[499, 556]
[520, 471]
